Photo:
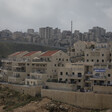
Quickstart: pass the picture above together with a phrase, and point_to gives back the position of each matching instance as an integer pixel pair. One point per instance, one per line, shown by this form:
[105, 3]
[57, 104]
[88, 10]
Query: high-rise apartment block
[46, 32]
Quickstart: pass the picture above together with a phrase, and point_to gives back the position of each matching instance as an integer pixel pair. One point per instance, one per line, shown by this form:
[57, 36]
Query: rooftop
[31, 53]
[17, 53]
[49, 53]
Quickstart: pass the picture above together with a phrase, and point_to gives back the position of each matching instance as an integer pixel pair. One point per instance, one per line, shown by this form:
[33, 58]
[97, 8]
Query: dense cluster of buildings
[55, 37]
[84, 66]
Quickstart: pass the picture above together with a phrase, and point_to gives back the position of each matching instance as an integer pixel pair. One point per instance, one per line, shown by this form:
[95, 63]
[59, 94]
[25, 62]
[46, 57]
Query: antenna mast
[71, 26]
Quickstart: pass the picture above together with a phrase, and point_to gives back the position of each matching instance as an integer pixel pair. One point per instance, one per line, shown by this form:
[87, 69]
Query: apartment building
[101, 57]
[55, 59]
[77, 74]
[33, 68]
[96, 68]
[46, 32]
[38, 73]
[97, 55]
[18, 65]
[45, 67]
[7, 64]
[76, 52]
[72, 73]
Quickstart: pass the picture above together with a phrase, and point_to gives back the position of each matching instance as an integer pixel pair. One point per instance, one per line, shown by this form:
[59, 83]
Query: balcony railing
[97, 77]
[74, 76]
[33, 77]
[39, 72]
[20, 70]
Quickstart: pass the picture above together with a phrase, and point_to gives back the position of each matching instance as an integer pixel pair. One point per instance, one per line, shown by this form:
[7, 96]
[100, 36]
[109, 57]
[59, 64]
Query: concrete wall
[83, 100]
[31, 90]
[102, 89]
[60, 86]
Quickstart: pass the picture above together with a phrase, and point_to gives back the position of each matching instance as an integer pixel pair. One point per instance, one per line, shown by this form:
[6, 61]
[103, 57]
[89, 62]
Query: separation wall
[60, 86]
[103, 89]
[31, 90]
[83, 100]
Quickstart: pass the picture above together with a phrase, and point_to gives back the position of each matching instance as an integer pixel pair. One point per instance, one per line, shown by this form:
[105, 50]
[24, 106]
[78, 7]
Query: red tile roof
[13, 54]
[17, 53]
[49, 53]
[30, 53]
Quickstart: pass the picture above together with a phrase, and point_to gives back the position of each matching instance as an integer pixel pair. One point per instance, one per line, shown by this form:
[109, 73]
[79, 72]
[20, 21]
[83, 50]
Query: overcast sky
[23, 14]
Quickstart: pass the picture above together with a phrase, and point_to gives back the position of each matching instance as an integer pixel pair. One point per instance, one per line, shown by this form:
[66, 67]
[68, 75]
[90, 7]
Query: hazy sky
[23, 14]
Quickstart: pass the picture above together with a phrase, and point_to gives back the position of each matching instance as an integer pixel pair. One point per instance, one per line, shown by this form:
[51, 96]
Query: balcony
[19, 70]
[74, 76]
[32, 77]
[14, 80]
[6, 60]
[98, 78]
[88, 81]
[88, 74]
[38, 72]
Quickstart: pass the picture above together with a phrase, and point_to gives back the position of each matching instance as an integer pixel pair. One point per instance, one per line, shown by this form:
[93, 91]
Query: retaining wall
[83, 100]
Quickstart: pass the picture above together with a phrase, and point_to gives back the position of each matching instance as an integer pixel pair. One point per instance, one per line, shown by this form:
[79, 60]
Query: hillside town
[85, 64]
[55, 37]
[86, 67]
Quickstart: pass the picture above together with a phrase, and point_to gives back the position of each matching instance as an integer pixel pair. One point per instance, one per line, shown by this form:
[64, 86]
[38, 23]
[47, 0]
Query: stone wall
[84, 100]
[103, 89]
[31, 90]
[60, 86]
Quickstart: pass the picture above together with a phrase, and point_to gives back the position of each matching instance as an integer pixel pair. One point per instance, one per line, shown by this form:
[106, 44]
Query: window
[60, 79]
[34, 83]
[66, 73]
[79, 74]
[61, 73]
[102, 54]
[109, 75]
[28, 75]
[92, 60]
[73, 50]
[102, 60]
[108, 82]
[28, 64]
[54, 64]
[27, 82]
[87, 54]
[66, 59]
[78, 87]
[97, 60]
[66, 80]
[73, 73]
[79, 80]
[87, 60]
[110, 54]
